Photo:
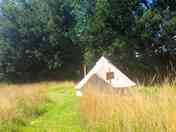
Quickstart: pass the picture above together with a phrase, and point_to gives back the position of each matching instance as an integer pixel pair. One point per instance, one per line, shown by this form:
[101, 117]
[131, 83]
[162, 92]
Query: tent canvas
[102, 68]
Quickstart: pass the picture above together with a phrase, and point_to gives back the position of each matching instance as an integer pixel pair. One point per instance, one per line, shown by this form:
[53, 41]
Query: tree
[132, 33]
[108, 30]
[156, 29]
[36, 37]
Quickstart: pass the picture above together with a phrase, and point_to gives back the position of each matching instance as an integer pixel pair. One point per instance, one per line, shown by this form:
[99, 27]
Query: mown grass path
[62, 111]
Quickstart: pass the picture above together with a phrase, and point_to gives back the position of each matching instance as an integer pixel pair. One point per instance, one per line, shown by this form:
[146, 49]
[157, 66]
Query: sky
[148, 3]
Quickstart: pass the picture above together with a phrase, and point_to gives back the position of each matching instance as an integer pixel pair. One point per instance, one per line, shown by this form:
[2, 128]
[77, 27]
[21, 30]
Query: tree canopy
[39, 36]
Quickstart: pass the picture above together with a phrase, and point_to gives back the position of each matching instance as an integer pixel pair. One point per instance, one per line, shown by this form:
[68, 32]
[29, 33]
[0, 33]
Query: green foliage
[55, 35]
[133, 36]
[108, 32]
[35, 37]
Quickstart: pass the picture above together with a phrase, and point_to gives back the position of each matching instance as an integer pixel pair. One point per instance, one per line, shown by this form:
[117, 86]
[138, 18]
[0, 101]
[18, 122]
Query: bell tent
[104, 75]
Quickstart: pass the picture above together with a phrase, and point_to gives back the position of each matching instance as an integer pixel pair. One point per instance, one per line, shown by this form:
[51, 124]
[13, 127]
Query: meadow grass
[142, 109]
[63, 114]
[20, 104]
[53, 107]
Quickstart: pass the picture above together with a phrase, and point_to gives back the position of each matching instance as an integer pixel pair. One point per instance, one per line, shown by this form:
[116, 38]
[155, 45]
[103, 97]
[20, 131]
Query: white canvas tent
[101, 70]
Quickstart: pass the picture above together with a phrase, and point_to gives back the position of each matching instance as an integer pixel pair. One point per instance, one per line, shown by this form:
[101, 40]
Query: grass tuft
[143, 109]
[20, 105]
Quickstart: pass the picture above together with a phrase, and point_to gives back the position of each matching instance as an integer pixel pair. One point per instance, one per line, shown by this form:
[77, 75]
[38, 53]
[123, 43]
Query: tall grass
[19, 104]
[142, 109]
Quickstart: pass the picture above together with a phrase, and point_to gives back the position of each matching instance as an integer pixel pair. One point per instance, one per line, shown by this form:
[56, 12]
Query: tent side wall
[97, 85]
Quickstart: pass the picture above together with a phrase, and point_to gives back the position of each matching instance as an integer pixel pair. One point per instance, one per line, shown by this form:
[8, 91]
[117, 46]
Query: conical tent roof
[102, 67]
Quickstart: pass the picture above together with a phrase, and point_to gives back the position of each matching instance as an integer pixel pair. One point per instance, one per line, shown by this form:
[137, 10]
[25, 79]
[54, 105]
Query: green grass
[62, 111]
[145, 109]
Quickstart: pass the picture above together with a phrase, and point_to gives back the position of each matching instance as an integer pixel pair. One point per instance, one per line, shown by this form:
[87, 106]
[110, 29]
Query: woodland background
[52, 39]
